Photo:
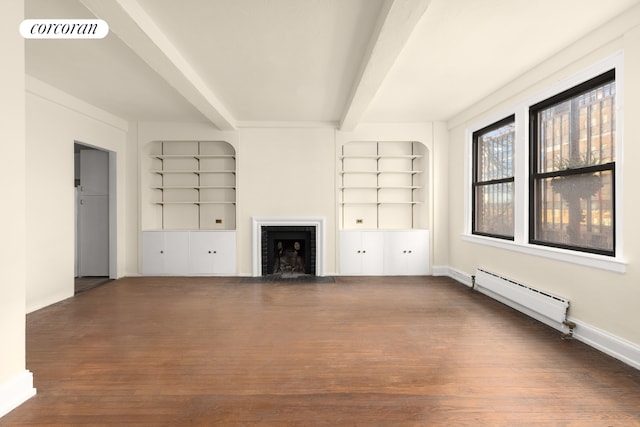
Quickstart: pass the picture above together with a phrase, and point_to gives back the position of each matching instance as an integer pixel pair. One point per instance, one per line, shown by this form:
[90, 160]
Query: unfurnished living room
[320, 212]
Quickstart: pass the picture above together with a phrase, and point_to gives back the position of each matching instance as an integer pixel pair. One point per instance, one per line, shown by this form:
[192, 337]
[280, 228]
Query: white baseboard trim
[607, 343]
[439, 270]
[16, 391]
[443, 270]
[603, 341]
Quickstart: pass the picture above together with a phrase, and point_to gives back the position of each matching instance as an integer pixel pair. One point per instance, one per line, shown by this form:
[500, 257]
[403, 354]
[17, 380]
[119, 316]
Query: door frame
[112, 198]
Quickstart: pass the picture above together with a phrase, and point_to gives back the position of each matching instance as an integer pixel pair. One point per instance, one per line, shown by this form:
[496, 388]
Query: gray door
[93, 213]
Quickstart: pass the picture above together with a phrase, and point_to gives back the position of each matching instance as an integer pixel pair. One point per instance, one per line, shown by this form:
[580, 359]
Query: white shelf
[194, 185]
[215, 203]
[368, 172]
[192, 156]
[399, 203]
[378, 156]
[379, 203]
[401, 187]
[378, 172]
[359, 203]
[190, 171]
[380, 185]
[390, 187]
[364, 156]
[194, 203]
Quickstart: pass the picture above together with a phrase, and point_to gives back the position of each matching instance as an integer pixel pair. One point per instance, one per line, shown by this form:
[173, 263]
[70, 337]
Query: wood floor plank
[360, 351]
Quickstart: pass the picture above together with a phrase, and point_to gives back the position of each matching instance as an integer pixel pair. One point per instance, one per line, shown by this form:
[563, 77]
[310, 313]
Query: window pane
[495, 153]
[494, 209]
[578, 132]
[576, 210]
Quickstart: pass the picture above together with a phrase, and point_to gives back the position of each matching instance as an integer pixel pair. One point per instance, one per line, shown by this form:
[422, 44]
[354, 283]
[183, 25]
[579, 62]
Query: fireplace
[288, 250]
[288, 246]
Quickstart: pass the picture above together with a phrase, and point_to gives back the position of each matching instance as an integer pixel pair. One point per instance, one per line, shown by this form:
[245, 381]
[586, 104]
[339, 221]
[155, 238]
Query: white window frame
[521, 243]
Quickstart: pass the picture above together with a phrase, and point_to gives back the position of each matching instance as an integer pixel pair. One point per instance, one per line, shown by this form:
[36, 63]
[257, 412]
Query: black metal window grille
[572, 168]
[493, 180]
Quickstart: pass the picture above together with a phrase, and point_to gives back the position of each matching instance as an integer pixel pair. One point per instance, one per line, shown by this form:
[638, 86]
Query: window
[572, 174]
[493, 180]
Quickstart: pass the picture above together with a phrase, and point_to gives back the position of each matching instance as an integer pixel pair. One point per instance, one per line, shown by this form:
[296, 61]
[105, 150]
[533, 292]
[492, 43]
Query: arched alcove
[383, 185]
[194, 184]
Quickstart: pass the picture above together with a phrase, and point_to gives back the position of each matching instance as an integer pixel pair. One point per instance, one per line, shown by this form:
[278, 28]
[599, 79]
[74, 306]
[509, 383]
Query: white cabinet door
[224, 249]
[418, 256]
[201, 252]
[361, 252]
[212, 252]
[372, 253]
[152, 252]
[406, 253]
[395, 253]
[350, 252]
[176, 251]
[165, 252]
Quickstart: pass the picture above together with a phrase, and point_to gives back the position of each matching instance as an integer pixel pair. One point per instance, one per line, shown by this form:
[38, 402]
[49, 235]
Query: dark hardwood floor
[416, 351]
[83, 284]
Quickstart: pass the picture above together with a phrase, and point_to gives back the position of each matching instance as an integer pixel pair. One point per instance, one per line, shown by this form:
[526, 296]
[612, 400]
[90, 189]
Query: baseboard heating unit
[543, 306]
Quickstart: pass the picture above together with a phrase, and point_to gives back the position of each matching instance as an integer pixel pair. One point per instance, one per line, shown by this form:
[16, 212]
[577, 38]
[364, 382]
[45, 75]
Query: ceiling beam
[131, 23]
[398, 19]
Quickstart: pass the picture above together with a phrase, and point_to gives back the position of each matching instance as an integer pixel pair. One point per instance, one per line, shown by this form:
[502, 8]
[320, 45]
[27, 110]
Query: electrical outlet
[359, 221]
[218, 221]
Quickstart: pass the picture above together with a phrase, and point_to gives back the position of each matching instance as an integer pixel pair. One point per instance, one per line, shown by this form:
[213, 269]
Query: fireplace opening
[288, 251]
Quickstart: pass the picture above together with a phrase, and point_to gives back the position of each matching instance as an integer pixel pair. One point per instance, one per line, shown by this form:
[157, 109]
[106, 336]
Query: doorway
[93, 214]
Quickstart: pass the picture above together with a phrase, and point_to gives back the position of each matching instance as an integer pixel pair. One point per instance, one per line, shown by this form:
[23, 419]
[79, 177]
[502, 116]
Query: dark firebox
[288, 250]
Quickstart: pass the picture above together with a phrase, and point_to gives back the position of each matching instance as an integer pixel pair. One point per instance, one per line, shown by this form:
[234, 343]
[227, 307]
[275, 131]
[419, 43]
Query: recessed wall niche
[382, 185]
[193, 184]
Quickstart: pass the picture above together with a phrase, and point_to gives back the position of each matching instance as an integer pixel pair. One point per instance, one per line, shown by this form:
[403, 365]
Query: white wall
[54, 122]
[601, 300]
[131, 201]
[12, 182]
[286, 172]
[440, 230]
[16, 383]
[282, 172]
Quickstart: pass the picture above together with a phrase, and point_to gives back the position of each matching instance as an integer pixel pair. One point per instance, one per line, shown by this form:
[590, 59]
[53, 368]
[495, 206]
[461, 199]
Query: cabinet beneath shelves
[388, 253]
[176, 253]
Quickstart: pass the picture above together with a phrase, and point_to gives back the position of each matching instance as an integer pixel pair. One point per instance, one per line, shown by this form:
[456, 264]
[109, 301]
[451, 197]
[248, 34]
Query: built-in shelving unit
[380, 185]
[194, 184]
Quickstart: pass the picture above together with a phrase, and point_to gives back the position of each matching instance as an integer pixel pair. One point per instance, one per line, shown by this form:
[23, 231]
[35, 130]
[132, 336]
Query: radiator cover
[543, 306]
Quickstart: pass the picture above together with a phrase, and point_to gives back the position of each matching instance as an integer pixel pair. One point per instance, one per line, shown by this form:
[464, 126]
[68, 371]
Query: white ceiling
[250, 62]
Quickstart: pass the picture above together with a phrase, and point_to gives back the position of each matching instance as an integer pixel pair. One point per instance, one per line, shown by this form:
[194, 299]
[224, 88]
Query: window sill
[601, 262]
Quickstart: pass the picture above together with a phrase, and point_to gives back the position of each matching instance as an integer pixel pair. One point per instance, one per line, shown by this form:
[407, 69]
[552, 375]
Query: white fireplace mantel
[304, 221]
